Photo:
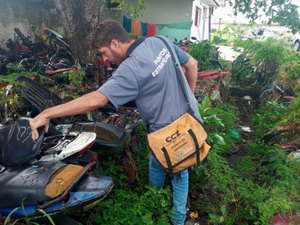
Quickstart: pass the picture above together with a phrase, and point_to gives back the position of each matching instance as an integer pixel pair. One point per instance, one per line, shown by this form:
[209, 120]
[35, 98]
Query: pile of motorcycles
[48, 54]
[53, 175]
[55, 172]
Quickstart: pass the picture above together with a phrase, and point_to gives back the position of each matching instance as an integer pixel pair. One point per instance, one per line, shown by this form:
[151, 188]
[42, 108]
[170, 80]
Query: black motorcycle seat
[16, 145]
[26, 184]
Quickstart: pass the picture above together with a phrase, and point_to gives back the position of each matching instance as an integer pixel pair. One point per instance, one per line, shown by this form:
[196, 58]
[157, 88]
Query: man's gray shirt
[148, 77]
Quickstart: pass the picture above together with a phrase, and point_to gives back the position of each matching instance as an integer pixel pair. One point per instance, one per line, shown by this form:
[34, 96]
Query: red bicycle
[212, 83]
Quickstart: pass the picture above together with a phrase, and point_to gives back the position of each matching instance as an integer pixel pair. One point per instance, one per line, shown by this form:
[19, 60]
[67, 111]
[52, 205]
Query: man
[146, 75]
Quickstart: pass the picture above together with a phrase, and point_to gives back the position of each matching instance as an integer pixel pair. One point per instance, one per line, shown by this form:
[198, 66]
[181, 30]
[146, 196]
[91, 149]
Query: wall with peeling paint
[25, 14]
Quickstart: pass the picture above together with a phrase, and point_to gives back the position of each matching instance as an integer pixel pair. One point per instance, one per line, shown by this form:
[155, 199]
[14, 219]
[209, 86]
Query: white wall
[201, 32]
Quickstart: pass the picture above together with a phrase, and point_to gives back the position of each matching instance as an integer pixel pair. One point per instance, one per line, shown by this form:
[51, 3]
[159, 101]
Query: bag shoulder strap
[133, 46]
[178, 70]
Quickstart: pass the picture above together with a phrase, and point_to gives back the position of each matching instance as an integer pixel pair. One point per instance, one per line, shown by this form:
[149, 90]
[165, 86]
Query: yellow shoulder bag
[183, 143]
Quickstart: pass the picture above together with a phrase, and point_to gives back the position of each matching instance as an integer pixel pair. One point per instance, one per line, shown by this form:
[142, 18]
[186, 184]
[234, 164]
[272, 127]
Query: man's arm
[191, 72]
[80, 105]
[190, 66]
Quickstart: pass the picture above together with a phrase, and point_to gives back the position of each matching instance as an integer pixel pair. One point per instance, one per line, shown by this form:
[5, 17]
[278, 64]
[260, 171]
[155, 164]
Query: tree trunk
[80, 19]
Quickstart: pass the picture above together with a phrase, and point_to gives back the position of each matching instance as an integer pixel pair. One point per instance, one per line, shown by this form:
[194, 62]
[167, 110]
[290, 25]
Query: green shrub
[204, 53]
[265, 59]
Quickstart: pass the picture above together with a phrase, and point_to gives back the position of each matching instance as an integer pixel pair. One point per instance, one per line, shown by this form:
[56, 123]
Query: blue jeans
[180, 189]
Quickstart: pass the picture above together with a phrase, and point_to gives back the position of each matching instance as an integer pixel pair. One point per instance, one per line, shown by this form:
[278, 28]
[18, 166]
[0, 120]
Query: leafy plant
[292, 113]
[260, 61]
[11, 103]
[294, 72]
[273, 182]
[284, 13]
[144, 205]
[271, 112]
[228, 34]
[75, 77]
[219, 121]
[26, 219]
[260, 183]
[133, 9]
[10, 78]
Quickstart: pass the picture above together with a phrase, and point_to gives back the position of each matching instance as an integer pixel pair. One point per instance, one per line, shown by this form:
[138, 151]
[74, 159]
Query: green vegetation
[280, 12]
[134, 8]
[205, 54]
[227, 35]
[26, 219]
[260, 61]
[260, 184]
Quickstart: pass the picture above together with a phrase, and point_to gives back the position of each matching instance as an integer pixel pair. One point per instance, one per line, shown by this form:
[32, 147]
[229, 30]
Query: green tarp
[174, 30]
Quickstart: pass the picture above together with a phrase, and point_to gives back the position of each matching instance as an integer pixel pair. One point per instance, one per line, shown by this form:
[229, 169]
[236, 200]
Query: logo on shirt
[161, 60]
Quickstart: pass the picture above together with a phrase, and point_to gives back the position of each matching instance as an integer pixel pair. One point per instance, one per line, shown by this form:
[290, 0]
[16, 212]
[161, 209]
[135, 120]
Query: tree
[282, 12]
[81, 18]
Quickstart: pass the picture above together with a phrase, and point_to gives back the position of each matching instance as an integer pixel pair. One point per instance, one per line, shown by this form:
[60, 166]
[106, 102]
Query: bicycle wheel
[268, 95]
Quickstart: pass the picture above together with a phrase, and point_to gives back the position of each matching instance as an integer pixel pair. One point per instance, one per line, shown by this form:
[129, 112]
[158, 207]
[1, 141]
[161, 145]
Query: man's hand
[37, 122]
[77, 106]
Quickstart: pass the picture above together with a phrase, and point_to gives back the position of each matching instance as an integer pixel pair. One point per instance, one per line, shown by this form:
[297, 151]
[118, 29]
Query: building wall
[166, 11]
[200, 32]
[174, 11]
[24, 14]
[41, 13]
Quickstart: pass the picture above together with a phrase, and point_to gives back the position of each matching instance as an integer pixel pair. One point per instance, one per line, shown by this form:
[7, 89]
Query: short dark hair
[108, 30]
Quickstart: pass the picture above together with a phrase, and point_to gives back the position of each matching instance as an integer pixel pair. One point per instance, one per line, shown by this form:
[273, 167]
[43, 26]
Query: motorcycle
[30, 191]
[70, 147]
[275, 92]
[29, 183]
[17, 146]
[110, 140]
[184, 43]
[286, 137]
[23, 47]
[44, 54]
[55, 39]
